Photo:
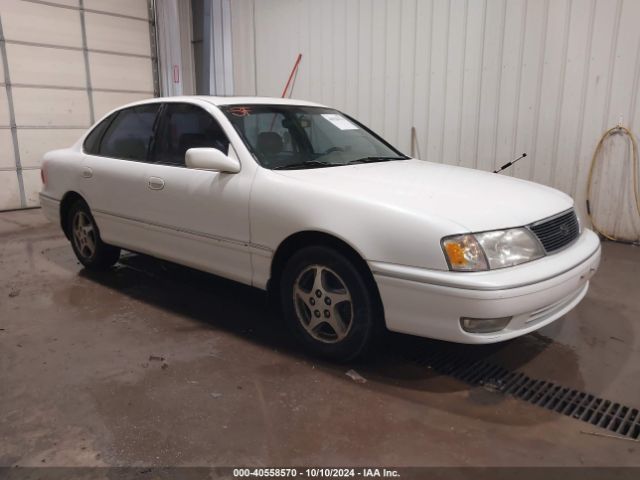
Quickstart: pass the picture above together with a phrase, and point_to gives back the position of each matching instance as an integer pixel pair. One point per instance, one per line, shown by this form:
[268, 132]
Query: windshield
[296, 137]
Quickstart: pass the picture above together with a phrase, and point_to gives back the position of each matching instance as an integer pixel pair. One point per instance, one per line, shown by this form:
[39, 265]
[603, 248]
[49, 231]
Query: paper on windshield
[339, 121]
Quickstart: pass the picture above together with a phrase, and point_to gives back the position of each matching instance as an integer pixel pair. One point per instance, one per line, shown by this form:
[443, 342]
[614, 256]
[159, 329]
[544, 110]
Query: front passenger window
[186, 126]
[129, 135]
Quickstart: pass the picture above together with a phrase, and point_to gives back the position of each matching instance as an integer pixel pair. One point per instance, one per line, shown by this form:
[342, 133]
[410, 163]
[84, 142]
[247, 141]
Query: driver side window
[186, 126]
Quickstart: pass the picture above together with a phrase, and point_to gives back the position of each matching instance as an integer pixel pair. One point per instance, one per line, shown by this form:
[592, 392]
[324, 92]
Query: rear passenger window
[92, 142]
[129, 135]
[186, 126]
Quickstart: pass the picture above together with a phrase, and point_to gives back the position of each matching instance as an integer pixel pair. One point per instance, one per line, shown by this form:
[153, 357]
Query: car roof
[220, 101]
[254, 100]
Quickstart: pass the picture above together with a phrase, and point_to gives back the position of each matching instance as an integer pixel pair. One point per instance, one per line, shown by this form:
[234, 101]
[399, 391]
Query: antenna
[507, 165]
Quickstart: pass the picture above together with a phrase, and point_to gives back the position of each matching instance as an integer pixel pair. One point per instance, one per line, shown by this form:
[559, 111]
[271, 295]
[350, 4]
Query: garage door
[64, 64]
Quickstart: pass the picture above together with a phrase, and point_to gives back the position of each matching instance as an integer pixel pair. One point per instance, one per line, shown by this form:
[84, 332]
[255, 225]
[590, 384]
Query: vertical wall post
[12, 118]
[207, 48]
[87, 68]
[153, 42]
[215, 59]
[169, 47]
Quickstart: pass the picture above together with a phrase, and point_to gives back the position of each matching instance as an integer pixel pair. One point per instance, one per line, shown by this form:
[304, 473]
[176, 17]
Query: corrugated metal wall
[481, 80]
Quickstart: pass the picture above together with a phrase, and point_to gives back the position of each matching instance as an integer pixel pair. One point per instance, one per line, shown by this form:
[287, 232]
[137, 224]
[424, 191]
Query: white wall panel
[9, 193]
[406, 83]
[34, 143]
[133, 8]
[489, 85]
[68, 3]
[7, 159]
[454, 64]
[597, 87]
[120, 72]
[56, 78]
[243, 41]
[378, 82]
[39, 23]
[50, 107]
[421, 71]
[553, 51]
[117, 34]
[351, 57]
[32, 186]
[106, 101]
[472, 85]
[4, 109]
[46, 66]
[574, 97]
[481, 80]
[511, 80]
[393, 29]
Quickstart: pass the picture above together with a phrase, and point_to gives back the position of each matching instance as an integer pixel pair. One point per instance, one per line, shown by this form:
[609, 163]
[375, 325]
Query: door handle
[87, 172]
[156, 183]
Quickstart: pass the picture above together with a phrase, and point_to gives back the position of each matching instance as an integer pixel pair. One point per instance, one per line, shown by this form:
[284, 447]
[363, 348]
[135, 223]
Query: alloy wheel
[323, 304]
[84, 235]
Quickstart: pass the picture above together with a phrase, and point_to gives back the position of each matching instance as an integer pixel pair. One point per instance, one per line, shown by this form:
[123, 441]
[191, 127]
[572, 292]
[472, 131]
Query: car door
[113, 174]
[199, 218]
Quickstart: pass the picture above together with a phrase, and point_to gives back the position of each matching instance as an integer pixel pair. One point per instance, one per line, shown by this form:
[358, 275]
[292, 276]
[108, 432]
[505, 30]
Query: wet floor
[156, 364]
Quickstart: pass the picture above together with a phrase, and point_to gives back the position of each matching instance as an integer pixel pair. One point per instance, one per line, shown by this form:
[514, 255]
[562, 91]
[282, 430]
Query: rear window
[92, 142]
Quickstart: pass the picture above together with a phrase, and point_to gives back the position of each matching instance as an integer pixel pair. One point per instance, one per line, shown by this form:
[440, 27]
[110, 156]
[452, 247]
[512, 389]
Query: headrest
[193, 140]
[134, 147]
[269, 143]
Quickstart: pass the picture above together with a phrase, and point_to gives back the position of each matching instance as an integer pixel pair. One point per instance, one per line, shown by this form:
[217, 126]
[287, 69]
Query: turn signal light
[464, 253]
[455, 254]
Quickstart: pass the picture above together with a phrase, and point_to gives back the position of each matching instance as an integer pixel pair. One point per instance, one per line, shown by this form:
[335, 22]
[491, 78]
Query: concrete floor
[155, 364]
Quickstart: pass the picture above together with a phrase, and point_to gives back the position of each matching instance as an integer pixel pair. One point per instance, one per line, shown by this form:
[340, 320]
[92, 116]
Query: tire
[338, 317]
[89, 248]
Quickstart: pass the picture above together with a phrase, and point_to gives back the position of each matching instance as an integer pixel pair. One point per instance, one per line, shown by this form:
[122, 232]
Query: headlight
[491, 250]
[505, 248]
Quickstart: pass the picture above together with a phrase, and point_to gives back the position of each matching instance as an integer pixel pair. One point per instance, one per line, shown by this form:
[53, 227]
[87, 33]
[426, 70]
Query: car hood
[473, 199]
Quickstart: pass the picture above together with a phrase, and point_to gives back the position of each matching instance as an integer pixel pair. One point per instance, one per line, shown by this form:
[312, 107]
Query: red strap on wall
[291, 75]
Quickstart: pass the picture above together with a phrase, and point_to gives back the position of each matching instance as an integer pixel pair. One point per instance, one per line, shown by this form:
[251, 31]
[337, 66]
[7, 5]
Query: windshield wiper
[307, 164]
[374, 159]
[319, 164]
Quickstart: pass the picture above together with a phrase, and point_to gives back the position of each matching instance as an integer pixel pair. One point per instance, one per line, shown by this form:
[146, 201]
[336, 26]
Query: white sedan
[301, 200]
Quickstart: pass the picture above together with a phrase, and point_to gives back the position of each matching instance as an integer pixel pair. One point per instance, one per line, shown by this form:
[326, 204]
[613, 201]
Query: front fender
[282, 206]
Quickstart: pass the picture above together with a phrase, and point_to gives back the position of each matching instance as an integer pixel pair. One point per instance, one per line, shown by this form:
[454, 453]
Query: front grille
[558, 231]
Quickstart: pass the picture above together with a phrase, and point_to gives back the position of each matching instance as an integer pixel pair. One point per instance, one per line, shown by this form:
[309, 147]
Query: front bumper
[430, 303]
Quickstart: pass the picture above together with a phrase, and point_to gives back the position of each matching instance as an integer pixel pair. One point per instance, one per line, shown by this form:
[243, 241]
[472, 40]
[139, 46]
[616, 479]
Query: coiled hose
[636, 193]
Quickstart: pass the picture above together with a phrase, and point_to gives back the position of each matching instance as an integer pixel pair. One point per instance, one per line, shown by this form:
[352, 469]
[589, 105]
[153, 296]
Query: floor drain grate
[615, 417]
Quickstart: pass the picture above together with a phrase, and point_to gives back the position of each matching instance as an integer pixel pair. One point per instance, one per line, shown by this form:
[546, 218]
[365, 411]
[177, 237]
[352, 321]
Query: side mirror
[211, 159]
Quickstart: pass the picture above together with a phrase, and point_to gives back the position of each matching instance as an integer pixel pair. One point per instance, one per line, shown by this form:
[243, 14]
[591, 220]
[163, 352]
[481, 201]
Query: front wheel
[329, 304]
[89, 248]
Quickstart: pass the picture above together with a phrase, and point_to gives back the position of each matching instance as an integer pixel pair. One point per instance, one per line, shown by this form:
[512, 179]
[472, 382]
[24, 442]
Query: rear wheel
[329, 304]
[89, 248]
